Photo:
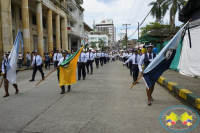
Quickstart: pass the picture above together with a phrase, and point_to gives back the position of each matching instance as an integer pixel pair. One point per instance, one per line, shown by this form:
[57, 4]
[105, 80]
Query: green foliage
[93, 45]
[151, 26]
[101, 44]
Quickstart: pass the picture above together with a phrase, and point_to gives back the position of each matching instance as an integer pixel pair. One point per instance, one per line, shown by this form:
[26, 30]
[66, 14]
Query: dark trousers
[20, 63]
[28, 63]
[81, 67]
[130, 67]
[35, 68]
[56, 64]
[97, 62]
[101, 61]
[89, 63]
[47, 63]
[124, 59]
[104, 58]
[127, 63]
[135, 72]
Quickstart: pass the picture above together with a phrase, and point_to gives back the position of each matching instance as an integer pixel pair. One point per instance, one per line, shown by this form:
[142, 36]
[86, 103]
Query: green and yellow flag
[67, 69]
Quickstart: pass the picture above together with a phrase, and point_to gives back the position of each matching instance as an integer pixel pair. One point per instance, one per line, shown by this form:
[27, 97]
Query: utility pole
[126, 33]
[138, 32]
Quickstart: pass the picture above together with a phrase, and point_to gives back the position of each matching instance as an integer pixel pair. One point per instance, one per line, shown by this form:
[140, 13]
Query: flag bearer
[81, 65]
[90, 60]
[4, 66]
[146, 59]
[97, 58]
[135, 58]
[64, 54]
[37, 65]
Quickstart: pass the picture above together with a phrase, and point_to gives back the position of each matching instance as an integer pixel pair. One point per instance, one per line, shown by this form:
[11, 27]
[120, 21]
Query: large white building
[106, 25]
[95, 38]
[75, 24]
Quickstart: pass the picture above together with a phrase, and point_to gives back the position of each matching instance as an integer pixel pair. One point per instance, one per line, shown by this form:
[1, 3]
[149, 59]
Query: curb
[23, 69]
[183, 93]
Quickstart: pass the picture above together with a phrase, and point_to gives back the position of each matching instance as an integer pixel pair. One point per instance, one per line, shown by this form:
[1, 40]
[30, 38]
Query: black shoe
[149, 104]
[78, 78]
[87, 72]
[152, 99]
[31, 80]
[6, 96]
[69, 88]
[83, 78]
[63, 90]
[17, 92]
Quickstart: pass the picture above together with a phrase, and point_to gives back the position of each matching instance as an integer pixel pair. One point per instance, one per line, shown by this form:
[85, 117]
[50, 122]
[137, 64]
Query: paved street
[103, 103]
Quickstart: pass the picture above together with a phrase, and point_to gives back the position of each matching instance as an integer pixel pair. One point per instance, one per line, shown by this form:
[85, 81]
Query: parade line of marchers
[154, 65]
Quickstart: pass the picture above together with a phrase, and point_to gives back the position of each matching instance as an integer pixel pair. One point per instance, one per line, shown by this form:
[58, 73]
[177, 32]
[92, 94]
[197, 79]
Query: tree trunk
[172, 19]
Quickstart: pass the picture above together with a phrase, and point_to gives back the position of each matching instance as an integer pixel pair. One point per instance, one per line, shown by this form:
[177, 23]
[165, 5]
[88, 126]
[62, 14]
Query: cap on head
[57, 50]
[35, 51]
[7, 53]
[64, 51]
[149, 46]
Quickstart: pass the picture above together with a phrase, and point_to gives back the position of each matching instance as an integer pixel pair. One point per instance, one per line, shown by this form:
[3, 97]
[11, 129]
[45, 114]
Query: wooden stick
[136, 81]
[1, 82]
[46, 76]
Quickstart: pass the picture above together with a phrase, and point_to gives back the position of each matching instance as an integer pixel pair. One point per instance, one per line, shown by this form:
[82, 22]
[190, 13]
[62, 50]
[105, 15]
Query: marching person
[126, 58]
[146, 59]
[130, 63]
[90, 60]
[56, 58]
[6, 82]
[81, 65]
[28, 58]
[104, 57]
[64, 54]
[101, 58]
[37, 65]
[97, 58]
[134, 59]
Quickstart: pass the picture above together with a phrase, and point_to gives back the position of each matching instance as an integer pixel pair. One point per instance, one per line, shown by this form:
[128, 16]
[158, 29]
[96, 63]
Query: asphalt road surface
[103, 103]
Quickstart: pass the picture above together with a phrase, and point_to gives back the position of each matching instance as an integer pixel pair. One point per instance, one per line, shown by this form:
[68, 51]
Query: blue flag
[162, 61]
[13, 58]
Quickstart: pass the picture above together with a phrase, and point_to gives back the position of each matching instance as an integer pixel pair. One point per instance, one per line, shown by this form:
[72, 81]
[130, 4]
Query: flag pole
[46, 76]
[1, 82]
[136, 81]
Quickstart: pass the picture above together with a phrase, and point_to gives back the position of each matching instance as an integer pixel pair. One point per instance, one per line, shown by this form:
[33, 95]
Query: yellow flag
[67, 69]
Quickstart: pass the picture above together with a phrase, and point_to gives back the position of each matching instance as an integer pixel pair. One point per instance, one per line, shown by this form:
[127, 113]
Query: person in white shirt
[28, 58]
[81, 65]
[130, 63]
[90, 60]
[104, 58]
[146, 59]
[6, 82]
[20, 59]
[101, 58]
[64, 54]
[56, 58]
[134, 59]
[37, 65]
[97, 58]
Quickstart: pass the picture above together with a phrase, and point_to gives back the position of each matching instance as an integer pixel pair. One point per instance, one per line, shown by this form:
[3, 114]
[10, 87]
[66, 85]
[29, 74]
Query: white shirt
[101, 54]
[83, 57]
[142, 60]
[2, 67]
[97, 55]
[132, 58]
[38, 60]
[90, 56]
[28, 57]
[20, 56]
[62, 59]
[58, 55]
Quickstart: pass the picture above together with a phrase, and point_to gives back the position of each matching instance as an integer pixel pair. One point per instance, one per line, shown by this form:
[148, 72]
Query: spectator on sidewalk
[47, 62]
[20, 59]
[56, 58]
[28, 58]
[155, 50]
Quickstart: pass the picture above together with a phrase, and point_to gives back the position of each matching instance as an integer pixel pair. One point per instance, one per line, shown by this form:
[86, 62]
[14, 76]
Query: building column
[64, 33]
[50, 30]
[58, 32]
[25, 27]
[6, 27]
[39, 28]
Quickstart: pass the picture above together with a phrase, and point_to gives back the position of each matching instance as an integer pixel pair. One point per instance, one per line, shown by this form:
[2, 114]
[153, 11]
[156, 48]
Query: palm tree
[101, 44]
[162, 6]
[93, 45]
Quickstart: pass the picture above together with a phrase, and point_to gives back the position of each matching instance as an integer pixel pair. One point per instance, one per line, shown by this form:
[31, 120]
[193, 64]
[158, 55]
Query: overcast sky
[121, 11]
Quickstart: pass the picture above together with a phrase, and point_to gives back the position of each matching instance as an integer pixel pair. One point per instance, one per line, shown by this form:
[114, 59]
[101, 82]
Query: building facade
[106, 25]
[43, 24]
[96, 37]
[87, 30]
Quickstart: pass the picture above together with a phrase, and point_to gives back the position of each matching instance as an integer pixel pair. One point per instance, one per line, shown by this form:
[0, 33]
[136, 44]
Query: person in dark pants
[101, 58]
[135, 59]
[97, 58]
[81, 65]
[28, 58]
[47, 61]
[90, 60]
[130, 63]
[64, 54]
[37, 65]
[104, 58]
[56, 58]
[6, 82]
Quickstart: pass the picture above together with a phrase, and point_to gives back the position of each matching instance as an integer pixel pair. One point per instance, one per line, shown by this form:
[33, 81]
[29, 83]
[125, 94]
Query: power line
[124, 12]
[126, 33]
[132, 10]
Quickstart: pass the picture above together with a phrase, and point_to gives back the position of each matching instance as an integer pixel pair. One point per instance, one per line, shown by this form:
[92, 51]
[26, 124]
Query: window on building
[34, 19]
[20, 13]
[44, 23]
